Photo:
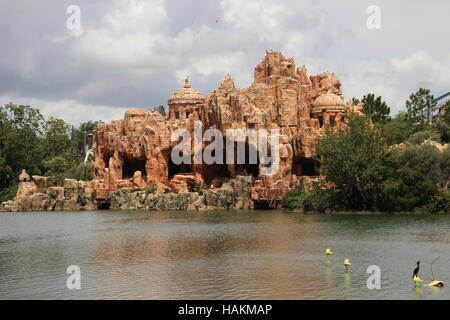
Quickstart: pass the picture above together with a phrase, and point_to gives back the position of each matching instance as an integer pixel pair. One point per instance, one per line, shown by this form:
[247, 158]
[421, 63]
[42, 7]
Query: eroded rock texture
[136, 152]
[134, 169]
[42, 194]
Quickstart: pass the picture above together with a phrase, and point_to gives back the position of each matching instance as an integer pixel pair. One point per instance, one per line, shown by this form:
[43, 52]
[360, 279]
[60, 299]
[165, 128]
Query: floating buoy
[436, 283]
[328, 252]
[417, 280]
[347, 264]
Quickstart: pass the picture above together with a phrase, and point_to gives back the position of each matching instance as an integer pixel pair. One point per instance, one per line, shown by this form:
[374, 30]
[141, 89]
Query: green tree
[445, 168]
[376, 108]
[56, 138]
[421, 136]
[80, 134]
[315, 200]
[398, 129]
[21, 128]
[353, 159]
[29, 141]
[442, 123]
[82, 171]
[6, 174]
[421, 107]
[57, 167]
[440, 201]
[417, 177]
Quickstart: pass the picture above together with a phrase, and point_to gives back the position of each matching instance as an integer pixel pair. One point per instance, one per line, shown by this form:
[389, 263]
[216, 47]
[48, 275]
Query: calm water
[219, 255]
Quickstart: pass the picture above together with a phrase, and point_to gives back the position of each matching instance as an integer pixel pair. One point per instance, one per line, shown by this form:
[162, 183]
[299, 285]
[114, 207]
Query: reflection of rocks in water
[198, 250]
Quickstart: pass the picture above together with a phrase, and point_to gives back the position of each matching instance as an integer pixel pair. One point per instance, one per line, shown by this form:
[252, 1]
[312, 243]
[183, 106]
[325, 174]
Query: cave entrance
[249, 167]
[106, 158]
[263, 205]
[103, 206]
[305, 167]
[215, 171]
[130, 166]
[183, 168]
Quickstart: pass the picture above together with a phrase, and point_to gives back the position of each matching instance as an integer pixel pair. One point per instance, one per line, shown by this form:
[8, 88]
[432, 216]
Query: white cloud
[136, 52]
[397, 78]
[136, 16]
[70, 111]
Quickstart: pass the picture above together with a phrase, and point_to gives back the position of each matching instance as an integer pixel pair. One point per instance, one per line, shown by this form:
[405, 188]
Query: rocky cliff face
[232, 195]
[135, 153]
[41, 194]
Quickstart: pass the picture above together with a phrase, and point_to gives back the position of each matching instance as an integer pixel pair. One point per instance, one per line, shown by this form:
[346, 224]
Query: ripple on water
[219, 255]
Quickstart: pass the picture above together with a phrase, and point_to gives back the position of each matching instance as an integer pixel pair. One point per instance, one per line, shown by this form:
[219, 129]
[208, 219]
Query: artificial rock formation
[136, 152]
[42, 194]
[134, 169]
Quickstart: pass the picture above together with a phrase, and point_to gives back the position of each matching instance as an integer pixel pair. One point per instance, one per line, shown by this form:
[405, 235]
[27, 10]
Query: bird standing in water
[415, 276]
[416, 270]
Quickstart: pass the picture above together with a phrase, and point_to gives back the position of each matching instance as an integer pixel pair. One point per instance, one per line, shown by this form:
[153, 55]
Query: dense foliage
[41, 146]
[375, 108]
[382, 164]
[421, 107]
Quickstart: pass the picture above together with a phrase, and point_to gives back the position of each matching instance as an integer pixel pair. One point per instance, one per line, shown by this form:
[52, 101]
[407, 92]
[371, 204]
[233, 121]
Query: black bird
[416, 270]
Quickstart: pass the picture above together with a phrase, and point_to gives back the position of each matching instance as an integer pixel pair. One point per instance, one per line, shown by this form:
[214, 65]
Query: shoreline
[242, 210]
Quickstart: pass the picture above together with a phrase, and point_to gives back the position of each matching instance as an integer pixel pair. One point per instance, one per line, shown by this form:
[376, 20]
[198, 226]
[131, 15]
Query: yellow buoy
[417, 280]
[436, 283]
[328, 252]
[347, 264]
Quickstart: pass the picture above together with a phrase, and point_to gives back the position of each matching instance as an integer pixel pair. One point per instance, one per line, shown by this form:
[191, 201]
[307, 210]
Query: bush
[292, 199]
[151, 189]
[397, 130]
[441, 200]
[354, 160]
[198, 187]
[57, 167]
[6, 174]
[82, 172]
[440, 203]
[421, 136]
[415, 180]
[314, 200]
[8, 193]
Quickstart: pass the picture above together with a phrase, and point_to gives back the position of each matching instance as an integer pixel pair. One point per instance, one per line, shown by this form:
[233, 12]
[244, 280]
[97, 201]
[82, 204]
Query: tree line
[379, 163]
[49, 147]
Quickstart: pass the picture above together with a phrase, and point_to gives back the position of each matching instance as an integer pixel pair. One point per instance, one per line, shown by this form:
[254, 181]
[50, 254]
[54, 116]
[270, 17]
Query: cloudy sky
[133, 54]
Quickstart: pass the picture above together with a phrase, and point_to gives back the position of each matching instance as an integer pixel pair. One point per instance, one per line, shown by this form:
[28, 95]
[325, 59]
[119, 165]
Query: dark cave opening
[250, 167]
[103, 206]
[130, 166]
[106, 158]
[183, 168]
[305, 167]
[262, 205]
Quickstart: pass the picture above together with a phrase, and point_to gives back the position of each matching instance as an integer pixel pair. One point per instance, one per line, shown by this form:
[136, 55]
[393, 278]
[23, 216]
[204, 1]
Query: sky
[135, 53]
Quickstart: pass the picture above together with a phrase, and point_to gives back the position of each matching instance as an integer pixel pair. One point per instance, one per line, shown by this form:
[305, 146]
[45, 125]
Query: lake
[220, 255]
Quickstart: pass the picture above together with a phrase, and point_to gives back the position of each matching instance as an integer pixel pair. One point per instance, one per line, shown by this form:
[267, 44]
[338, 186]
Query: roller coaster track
[443, 96]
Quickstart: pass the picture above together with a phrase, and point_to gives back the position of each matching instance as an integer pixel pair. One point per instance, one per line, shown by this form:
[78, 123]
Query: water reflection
[219, 255]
